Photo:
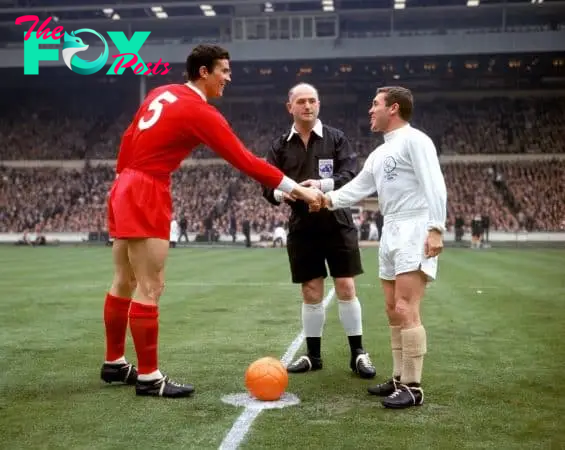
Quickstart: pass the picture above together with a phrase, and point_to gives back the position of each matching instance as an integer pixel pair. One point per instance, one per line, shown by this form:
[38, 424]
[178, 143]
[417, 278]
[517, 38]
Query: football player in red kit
[172, 120]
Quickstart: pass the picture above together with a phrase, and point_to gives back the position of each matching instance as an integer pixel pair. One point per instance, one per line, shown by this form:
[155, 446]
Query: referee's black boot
[305, 363]
[361, 364]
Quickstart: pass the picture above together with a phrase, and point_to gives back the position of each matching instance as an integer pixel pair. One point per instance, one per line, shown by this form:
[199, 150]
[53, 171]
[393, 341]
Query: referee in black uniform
[320, 156]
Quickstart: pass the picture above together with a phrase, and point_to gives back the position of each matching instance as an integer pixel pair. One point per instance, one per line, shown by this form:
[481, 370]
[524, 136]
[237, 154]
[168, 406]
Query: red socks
[144, 326]
[116, 323]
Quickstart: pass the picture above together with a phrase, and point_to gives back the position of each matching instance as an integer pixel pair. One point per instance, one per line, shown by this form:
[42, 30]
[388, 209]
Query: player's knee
[313, 291]
[132, 283]
[407, 311]
[402, 306]
[124, 285]
[152, 289]
[345, 288]
[390, 306]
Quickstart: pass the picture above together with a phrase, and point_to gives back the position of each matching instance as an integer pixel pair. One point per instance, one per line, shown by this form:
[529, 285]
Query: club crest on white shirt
[326, 168]
[389, 167]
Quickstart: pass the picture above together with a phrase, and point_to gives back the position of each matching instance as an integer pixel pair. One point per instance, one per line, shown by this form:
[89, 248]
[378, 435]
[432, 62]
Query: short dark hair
[402, 96]
[204, 55]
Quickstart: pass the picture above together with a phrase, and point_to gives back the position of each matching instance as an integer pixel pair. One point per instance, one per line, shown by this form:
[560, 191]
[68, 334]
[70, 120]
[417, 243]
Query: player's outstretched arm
[214, 131]
[355, 190]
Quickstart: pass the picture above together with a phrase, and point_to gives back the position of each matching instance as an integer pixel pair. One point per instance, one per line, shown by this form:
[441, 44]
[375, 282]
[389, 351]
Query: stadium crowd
[515, 195]
[492, 125]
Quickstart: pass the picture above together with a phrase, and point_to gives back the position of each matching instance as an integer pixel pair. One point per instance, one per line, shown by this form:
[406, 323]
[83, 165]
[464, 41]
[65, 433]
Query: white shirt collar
[198, 91]
[318, 129]
[391, 134]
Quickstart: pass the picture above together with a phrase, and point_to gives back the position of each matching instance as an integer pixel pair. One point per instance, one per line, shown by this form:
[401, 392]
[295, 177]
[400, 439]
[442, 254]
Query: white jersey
[406, 174]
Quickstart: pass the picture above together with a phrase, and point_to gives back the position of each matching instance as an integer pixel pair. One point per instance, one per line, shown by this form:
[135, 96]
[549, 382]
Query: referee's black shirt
[329, 155]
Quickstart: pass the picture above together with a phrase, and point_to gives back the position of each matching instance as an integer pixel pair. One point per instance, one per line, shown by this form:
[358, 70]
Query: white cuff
[287, 185]
[436, 226]
[278, 195]
[327, 184]
[332, 195]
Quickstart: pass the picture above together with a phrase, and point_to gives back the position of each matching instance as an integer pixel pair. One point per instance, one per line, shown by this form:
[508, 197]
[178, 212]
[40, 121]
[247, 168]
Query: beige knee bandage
[414, 347]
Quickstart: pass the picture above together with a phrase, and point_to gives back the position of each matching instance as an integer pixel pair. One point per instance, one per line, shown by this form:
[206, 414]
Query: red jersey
[173, 120]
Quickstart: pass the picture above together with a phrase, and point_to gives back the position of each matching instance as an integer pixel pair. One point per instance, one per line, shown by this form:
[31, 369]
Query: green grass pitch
[492, 377]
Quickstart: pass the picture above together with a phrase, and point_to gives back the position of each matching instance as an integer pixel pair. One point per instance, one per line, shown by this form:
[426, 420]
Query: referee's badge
[325, 168]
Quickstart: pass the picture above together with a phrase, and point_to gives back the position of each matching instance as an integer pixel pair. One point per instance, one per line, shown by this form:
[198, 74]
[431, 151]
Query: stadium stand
[499, 104]
[491, 125]
[516, 196]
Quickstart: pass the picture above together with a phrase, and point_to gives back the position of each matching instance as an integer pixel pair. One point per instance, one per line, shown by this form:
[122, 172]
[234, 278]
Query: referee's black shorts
[309, 248]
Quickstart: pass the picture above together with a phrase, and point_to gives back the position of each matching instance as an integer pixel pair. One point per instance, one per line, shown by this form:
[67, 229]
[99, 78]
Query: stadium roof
[211, 20]
[152, 9]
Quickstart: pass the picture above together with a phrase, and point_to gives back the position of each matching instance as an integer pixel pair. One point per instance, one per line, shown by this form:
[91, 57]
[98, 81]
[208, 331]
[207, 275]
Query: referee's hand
[312, 183]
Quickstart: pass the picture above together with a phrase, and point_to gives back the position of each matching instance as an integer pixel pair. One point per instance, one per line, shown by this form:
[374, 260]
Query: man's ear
[203, 72]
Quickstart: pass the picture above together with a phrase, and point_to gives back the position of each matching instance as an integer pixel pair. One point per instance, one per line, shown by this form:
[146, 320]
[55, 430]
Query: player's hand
[288, 197]
[325, 202]
[311, 196]
[312, 183]
[434, 244]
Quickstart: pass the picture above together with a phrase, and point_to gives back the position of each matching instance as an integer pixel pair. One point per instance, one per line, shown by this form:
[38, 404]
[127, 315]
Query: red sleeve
[214, 131]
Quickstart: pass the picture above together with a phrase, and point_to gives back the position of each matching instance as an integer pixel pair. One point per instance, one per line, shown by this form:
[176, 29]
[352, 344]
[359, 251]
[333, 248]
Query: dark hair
[402, 96]
[203, 55]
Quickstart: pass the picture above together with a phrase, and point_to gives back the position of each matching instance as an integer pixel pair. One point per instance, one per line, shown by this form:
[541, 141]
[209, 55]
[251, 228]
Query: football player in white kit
[406, 174]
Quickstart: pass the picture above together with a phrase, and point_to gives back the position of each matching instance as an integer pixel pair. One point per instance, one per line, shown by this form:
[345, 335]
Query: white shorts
[402, 248]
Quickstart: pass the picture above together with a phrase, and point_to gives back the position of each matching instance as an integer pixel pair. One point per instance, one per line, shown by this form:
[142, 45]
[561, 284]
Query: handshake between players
[310, 192]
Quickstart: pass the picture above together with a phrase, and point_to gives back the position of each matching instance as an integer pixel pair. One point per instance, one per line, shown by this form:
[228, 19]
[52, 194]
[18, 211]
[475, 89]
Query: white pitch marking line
[243, 423]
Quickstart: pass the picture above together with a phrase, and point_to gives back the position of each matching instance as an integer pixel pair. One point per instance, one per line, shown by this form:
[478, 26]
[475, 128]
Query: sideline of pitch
[38, 286]
[245, 284]
[243, 423]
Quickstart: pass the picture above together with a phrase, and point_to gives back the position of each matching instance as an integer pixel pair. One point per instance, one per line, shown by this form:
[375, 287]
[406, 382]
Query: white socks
[313, 319]
[350, 316]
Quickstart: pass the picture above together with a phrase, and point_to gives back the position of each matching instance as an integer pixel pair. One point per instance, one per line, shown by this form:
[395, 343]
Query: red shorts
[139, 206]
